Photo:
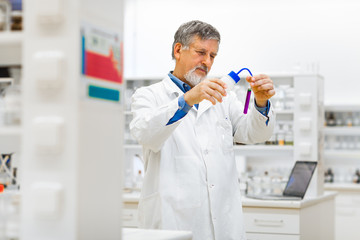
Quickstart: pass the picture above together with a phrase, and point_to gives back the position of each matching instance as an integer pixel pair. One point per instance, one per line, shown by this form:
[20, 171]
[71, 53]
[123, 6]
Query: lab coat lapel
[203, 106]
[171, 89]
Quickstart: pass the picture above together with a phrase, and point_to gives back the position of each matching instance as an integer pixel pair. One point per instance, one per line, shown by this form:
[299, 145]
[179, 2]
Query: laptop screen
[299, 178]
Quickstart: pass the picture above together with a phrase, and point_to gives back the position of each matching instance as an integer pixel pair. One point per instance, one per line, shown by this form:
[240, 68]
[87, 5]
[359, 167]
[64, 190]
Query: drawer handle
[271, 223]
[128, 216]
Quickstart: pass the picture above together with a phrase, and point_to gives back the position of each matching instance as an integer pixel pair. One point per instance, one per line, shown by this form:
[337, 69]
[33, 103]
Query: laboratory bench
[308, 219]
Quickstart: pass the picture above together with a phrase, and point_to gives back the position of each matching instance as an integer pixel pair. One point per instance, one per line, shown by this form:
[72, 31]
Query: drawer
[265, 222]
[352, 200]
[130, 218]
[261, 236]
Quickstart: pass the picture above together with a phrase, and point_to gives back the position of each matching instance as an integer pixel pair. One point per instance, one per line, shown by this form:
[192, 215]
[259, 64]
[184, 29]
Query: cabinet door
[347, 216]
[130, 218]
[260, 236]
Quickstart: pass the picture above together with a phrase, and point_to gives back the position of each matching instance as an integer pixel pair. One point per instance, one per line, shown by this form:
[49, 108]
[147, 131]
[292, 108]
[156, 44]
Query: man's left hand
[262, 87]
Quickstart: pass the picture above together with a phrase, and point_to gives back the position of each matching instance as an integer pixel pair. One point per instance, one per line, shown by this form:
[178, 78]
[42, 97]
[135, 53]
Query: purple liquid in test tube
[248, 94]
[247, 101]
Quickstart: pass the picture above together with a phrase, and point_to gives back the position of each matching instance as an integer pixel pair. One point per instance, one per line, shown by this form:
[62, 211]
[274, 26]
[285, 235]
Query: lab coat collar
[171, 88]
[174, 91]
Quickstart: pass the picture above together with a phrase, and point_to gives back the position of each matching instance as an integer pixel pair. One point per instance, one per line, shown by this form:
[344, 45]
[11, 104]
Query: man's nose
[207, 61]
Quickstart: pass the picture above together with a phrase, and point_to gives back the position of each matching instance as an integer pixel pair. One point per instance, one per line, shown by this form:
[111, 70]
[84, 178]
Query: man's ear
[177, 50]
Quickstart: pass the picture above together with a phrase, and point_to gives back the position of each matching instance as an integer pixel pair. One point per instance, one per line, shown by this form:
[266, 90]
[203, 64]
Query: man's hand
[210, 89]
[262, 87]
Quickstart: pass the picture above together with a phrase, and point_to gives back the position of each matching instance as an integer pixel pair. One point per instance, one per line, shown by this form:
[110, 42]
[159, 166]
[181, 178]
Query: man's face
[198, 59]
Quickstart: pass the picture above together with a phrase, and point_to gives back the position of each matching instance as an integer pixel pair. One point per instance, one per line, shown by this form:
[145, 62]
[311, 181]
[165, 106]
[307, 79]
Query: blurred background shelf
[344, 130]
[256, 150]
[342, 154]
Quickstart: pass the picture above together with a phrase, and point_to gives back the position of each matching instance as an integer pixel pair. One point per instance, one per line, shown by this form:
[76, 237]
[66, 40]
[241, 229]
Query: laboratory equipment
[7, 173]
[231, 79]
[248, 93]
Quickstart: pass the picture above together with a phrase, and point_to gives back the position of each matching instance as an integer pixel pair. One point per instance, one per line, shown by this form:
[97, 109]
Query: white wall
[266, 36]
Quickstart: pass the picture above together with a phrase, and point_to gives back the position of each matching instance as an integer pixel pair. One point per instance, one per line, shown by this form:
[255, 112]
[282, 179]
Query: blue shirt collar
[183, 86]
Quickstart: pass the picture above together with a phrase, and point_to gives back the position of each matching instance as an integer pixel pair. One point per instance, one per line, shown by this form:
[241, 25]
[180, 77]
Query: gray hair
[189, 30]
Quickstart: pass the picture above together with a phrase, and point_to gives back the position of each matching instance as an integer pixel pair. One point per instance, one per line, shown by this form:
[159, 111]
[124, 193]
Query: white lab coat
[191, 181]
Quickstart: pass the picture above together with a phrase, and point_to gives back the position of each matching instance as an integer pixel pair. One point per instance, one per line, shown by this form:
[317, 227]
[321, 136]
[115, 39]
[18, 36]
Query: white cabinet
[309, 219]
[347, 210]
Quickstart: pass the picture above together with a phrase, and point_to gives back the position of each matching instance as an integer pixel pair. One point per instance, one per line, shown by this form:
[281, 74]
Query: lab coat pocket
[224, 133]
[188, 182]
[149, 211]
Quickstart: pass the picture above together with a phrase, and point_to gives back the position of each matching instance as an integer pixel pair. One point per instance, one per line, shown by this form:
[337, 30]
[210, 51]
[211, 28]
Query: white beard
[193, 78]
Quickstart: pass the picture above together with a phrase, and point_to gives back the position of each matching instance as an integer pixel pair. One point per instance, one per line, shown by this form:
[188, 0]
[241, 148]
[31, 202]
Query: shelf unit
[342, 141]
[11, 43]
[342, 155]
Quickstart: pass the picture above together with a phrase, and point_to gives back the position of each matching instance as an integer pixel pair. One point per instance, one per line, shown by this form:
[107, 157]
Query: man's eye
[201, 52]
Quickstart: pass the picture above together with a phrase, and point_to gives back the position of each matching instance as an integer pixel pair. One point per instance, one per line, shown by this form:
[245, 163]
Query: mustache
[204, 68]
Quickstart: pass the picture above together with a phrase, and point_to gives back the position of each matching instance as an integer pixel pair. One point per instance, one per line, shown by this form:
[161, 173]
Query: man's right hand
[209, 89]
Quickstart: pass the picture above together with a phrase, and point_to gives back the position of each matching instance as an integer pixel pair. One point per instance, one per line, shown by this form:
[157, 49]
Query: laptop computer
[297, 184]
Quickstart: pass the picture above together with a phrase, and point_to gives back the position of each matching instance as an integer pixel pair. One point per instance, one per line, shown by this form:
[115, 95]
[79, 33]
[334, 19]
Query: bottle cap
[234, 76]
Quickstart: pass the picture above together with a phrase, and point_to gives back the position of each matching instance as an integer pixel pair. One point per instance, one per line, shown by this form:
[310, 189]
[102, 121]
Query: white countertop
[151, 234]
[133, 197]
[306, 202]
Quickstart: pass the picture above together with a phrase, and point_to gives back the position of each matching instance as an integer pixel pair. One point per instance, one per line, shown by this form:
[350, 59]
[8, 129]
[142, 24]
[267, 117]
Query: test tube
[248, 94]
[247, 101]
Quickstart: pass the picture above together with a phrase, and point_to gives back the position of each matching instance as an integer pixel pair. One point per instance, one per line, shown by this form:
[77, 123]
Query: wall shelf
[341, 154]
[349, 131]
[256, 150]
[288, 111]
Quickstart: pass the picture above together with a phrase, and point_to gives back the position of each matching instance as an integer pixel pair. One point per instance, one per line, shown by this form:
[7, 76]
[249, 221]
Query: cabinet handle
[271, 223]
[128, 216]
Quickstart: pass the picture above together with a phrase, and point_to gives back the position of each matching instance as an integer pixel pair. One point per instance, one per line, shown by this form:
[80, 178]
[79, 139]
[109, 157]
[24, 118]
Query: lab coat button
[206, 152]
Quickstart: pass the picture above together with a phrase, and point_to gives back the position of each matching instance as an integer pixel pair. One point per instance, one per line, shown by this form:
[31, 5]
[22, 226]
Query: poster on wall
[101, 63]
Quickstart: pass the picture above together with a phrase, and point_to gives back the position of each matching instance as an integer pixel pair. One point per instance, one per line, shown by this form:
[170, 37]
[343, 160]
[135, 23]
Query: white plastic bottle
[230, 80]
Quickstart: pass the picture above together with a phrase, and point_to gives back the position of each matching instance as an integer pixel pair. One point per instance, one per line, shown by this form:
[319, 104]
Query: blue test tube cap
[234, 76]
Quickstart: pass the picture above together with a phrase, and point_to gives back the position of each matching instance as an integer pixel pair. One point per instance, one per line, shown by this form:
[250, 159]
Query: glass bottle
[330, 120]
